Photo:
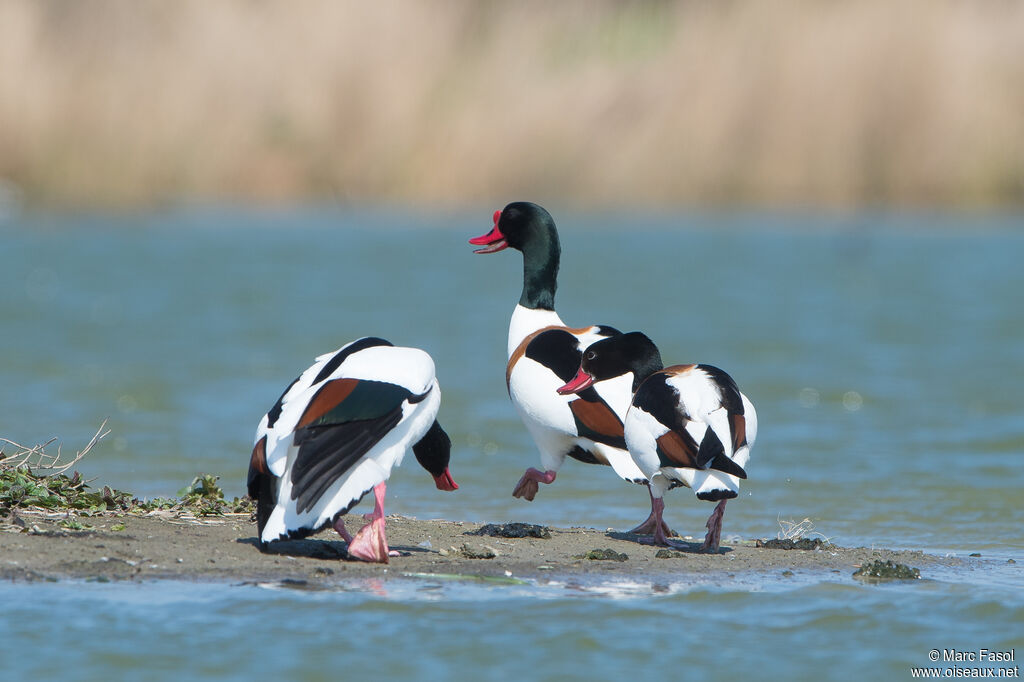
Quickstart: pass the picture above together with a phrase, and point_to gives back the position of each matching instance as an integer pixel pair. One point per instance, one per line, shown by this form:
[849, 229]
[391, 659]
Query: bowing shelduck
[334, 435]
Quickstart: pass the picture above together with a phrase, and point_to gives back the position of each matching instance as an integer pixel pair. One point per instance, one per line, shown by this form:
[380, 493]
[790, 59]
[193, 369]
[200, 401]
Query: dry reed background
[835, 103]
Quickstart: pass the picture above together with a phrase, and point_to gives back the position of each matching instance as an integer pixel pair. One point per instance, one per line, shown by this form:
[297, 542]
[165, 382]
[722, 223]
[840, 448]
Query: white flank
[621, 461]
[642, 431]
[549, 420]
[533, 389]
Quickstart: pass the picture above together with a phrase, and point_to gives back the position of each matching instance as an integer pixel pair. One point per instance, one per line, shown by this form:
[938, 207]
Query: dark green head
[528, 228]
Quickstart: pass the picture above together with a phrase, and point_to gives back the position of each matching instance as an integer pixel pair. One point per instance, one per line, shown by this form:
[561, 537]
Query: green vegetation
[605, 555]
[879, 571]
[22, 489]
[32, 479]
[513, 530]
[670, 554]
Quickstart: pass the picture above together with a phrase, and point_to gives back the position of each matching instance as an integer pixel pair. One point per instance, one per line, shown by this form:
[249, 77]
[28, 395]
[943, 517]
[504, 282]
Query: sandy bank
[36, 546]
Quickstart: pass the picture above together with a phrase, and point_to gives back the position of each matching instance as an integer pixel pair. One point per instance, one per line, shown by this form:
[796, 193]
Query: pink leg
[660, 538]
[370, 543]
[714, 527]
[647, 527]
[339, 526]
[527, 486]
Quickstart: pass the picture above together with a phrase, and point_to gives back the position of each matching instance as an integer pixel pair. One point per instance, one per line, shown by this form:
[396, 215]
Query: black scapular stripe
[343, 354]
[275, 412]
[731, 400]
[558, 350]
[660, 400]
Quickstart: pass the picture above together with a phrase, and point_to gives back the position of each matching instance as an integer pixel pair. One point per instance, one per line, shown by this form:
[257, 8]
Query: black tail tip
[717, 495]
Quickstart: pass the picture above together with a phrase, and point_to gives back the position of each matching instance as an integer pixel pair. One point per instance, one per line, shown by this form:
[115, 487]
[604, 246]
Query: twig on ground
[798, 530]
[44, 464]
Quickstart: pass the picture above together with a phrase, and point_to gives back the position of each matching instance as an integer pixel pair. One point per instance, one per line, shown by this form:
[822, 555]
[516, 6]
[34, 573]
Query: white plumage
[686, 425]
[337, 432]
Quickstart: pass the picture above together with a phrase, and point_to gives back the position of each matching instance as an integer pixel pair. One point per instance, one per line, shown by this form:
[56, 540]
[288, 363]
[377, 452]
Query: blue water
[883, 353]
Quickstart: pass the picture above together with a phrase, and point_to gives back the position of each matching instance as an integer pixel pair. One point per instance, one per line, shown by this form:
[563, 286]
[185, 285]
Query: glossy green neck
[645, 367]
[541, 255]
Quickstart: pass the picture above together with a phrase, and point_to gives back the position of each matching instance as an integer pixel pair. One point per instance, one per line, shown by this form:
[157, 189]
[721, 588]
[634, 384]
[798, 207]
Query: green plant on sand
[32, 479]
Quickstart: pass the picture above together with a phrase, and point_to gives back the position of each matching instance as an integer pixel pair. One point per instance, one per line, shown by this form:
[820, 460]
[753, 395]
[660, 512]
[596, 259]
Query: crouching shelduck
[543, 353]
[687, 424]
[334, 435]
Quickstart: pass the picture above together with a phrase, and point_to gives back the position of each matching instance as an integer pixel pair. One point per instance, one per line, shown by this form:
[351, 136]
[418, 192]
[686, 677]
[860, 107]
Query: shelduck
[686, 425]
[334, 435]
[543, 354]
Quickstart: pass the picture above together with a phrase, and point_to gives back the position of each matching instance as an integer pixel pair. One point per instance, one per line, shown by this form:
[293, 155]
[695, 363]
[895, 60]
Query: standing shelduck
[334, 435]
[687, 424]
[543, 354]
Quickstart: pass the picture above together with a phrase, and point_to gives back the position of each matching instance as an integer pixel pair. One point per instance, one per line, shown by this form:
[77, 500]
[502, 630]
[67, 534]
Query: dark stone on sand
[513, 530]
[481, 552]
[805, 543]
[669, 554]
[605, 555]
[878, 571]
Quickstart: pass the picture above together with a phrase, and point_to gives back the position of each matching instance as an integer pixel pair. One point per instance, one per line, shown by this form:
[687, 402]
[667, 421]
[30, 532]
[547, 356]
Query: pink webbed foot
[527, 486]
[371, 543]
[649, 525]
[714, 526]
[659, 527]
[660, 539]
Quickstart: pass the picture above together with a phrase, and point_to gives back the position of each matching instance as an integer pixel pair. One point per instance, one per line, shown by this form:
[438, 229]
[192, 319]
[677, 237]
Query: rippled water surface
[884, 354]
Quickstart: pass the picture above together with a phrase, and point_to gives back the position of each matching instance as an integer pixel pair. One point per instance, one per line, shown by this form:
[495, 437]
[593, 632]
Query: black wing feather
[330, 445]
[327, 452]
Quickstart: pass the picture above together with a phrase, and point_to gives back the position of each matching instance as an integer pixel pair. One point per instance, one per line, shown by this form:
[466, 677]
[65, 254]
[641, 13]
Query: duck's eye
[591, 355]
